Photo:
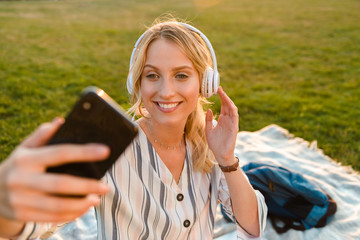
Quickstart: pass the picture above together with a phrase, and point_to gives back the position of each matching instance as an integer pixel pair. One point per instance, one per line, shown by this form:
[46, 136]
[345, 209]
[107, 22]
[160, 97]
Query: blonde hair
[196, 50]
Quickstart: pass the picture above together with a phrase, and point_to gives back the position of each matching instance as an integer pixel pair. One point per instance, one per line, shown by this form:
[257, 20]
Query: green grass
[293, 63]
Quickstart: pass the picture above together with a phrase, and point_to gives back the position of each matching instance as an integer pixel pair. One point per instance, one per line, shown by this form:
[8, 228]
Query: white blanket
[275, 145]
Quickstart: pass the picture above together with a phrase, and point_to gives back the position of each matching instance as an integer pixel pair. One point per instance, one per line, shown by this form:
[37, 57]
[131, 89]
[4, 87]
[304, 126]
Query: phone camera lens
[86, 105]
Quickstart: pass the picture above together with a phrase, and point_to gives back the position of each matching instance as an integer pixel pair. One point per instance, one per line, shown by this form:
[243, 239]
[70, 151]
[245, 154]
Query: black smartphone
[95, 118]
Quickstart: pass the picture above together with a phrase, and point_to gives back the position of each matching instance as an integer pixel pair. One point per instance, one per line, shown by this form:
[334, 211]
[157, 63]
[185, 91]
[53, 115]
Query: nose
[167, 88]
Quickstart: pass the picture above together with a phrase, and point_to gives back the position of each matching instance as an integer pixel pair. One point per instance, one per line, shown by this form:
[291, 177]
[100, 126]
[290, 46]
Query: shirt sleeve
[33, 230]
[224, 199]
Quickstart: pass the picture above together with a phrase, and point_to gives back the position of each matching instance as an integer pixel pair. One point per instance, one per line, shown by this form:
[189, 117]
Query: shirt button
[180, 197]
[186, 223]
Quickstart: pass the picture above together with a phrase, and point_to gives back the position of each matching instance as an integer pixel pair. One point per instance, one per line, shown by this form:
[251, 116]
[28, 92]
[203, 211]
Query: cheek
[146, 89]
[143, 91]
[145, 94]
[192, 93]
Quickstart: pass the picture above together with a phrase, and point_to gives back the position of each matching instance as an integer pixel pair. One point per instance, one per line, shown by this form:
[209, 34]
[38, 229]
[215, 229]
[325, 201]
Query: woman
[166, 185]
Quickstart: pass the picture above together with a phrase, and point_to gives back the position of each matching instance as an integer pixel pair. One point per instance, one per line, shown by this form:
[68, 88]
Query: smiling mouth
[172, 105]
[168, 106]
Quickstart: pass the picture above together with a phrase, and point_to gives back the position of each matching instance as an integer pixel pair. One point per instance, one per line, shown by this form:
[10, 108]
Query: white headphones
[211, 78]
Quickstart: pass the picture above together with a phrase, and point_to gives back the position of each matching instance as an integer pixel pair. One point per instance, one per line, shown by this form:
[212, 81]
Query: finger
[55, 155]
[209, 120]
[224, 101]
[34, 215]
[43, 133]
[51, 204]
[30, 215]
[227, 105]
[58, 184]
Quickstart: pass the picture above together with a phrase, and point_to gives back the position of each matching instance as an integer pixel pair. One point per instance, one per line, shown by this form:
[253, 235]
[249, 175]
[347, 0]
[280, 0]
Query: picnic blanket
[275, 145]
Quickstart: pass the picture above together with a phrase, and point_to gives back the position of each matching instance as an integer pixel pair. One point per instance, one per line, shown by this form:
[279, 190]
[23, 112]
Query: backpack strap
[330, 211]
[283, 224]
[286, 223]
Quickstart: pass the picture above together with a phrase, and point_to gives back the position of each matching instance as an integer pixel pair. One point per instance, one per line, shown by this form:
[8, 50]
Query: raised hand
[222, 138]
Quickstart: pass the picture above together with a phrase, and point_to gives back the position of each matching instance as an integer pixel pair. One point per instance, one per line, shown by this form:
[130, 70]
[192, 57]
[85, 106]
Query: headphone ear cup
[216, 82]
[204, 84]
[207, 86]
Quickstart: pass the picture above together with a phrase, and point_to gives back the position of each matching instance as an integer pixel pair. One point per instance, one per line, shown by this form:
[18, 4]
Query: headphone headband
[213, 82]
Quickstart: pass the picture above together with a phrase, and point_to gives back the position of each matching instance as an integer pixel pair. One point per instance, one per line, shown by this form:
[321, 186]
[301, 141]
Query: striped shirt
[145, 202]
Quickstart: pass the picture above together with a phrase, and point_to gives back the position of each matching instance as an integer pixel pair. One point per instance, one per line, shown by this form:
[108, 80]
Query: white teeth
[167, 106]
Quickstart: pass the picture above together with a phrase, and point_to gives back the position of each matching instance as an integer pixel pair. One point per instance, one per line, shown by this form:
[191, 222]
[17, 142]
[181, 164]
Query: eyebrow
[175, 69]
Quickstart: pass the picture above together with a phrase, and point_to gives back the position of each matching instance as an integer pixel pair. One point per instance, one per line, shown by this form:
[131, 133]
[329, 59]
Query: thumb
[42, 134]
[209, 120]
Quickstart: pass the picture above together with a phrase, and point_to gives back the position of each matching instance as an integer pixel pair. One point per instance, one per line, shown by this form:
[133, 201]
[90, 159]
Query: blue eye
[152, 76]
[181, 76]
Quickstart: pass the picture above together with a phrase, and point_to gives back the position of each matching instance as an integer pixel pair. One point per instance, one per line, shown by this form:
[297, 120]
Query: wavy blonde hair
[196, 50]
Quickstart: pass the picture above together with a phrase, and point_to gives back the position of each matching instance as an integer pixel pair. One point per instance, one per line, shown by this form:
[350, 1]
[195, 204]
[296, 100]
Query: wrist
[226, 160]
[230, 167]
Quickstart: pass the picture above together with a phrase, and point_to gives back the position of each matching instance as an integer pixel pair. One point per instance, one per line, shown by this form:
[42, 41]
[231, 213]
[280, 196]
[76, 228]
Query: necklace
[162, 145]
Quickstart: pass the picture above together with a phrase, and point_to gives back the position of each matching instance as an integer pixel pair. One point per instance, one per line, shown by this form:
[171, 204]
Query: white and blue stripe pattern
[143, 202]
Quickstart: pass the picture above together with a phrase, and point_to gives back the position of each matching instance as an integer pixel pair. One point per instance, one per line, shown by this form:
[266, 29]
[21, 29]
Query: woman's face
[169, 83]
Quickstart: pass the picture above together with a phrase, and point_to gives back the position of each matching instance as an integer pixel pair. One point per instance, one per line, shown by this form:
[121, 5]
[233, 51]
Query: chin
[169, 121]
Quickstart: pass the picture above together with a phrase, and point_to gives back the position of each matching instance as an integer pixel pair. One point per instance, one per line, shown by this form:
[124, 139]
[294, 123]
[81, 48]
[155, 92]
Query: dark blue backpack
[293, 201]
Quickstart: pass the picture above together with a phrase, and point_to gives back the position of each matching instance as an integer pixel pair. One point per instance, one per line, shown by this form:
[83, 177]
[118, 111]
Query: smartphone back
[95, 118]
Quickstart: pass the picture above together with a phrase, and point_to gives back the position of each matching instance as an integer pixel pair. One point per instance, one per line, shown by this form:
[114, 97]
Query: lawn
[292, 63]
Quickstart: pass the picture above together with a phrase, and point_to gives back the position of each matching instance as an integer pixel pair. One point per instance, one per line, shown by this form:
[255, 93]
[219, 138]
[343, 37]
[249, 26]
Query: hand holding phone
[95, 118]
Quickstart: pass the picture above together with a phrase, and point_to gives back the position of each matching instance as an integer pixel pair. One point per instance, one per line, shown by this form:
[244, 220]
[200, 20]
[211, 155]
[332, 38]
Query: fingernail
[58, 120]
[101, 149]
